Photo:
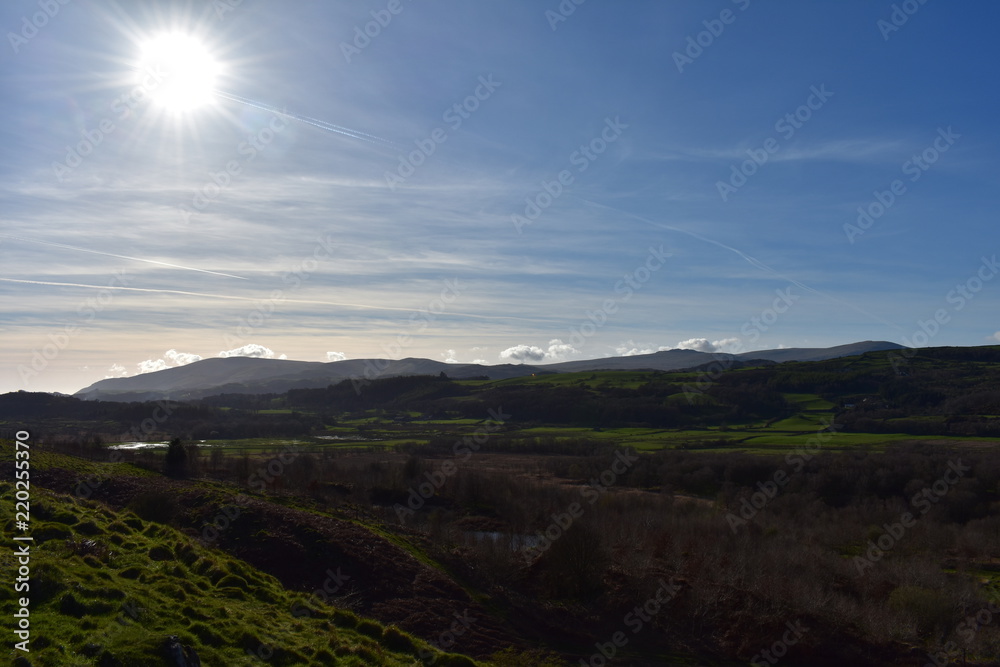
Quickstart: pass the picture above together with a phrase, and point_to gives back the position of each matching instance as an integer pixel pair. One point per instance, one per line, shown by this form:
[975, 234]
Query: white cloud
[250, 350]
[630, 348]
[523, 353]
[181, 358]
[172, 360]
[559, 350]
[556, 351]
[335, 356]
[705, 345]
[625, 351]
[152, 365]
[451, 356]
[996, 336]
[696, 344]
[116, 371]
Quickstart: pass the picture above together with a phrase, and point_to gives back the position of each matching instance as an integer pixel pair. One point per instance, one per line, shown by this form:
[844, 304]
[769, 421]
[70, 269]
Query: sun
[178, 71]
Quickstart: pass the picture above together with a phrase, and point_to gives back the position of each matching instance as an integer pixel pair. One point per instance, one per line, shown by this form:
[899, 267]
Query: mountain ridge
[250, 375]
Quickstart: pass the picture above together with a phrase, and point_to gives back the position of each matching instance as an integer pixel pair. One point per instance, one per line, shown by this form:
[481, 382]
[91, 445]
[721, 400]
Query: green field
[763, 409]
[812, 417]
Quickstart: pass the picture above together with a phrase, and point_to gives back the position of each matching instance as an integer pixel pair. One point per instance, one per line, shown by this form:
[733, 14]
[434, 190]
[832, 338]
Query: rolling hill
[242, 375]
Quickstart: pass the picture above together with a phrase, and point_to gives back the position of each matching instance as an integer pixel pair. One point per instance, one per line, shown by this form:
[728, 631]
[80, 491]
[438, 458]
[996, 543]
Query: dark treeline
[66, 417]
[942, 391]
[658, 403]
[422, 393]
[939, 391]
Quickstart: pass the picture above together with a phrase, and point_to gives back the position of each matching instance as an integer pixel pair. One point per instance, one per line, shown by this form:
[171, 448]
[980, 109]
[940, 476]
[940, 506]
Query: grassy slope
[107, 588]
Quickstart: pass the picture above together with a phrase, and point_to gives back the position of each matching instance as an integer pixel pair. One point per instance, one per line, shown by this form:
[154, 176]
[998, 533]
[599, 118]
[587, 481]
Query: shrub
[930, 609]
[176, 461]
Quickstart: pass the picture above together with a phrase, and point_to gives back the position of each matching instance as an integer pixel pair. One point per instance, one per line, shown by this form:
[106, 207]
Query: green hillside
[109, 588]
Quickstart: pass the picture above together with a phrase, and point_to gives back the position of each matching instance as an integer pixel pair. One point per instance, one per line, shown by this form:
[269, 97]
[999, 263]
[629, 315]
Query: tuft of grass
[369, 629]
[397, 640]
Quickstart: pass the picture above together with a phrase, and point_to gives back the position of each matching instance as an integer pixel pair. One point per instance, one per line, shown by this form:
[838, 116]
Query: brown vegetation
[667, 517]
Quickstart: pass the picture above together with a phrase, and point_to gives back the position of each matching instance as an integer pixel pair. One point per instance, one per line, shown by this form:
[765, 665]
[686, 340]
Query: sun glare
[178, 71]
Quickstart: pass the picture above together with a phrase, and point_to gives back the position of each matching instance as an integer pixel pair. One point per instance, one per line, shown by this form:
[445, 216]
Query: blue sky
[626, 124]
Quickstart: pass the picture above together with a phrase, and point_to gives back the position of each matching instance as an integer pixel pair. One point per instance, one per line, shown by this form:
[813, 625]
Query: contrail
[259, 299]
[321, 124]
[316, 121]
[110, 254]
[753, 261]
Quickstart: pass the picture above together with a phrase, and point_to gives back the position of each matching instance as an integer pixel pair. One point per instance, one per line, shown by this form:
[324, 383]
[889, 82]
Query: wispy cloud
[132, 259]
[858, 150]
[846, 150]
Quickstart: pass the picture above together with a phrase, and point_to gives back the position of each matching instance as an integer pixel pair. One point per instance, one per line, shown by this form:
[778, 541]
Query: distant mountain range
[244, 375]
